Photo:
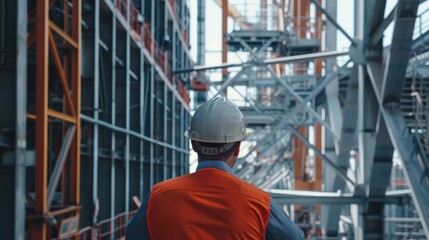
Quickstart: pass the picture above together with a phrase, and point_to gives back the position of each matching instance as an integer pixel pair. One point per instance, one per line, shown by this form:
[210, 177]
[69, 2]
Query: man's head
[216, 130]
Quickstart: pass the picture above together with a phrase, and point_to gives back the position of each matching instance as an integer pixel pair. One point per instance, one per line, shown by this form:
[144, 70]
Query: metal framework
[68, 72]
[105, 115]
[367, 113]
[99, 102]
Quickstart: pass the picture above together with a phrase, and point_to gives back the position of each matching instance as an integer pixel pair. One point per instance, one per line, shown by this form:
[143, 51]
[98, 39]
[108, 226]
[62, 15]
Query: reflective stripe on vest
[209, 204]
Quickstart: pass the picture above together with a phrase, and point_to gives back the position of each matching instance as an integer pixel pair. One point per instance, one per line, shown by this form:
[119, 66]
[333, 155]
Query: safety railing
[304, 27]
[257, 17]
[136, 18]
[152, 47]
[175, 8]
[149, 43]
[87, 233]
[103, 230]
[115, 227]
[181, 89]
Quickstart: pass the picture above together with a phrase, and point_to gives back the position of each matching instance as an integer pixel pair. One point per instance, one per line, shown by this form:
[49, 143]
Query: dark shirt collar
[221, 165]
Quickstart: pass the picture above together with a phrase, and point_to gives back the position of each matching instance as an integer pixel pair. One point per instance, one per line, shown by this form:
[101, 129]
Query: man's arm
[280, 226]
[137, 227]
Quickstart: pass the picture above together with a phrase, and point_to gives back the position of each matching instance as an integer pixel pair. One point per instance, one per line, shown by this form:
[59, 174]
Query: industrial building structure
[96, 95]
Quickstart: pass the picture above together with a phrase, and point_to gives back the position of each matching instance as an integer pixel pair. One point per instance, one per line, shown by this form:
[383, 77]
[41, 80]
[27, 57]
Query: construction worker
[212, 203]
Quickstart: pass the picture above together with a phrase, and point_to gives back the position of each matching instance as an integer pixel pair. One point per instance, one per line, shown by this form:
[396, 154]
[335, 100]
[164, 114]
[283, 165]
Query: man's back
[208, 204]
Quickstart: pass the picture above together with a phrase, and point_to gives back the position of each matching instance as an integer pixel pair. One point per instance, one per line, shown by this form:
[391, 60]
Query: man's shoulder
[253, 190]
[172, 183]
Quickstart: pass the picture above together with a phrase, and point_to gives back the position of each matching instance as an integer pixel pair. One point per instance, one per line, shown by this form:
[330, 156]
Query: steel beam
[314, 197]
[76, 34]
[387, 94]
[127, 111]
[152, 98]
[62, 157]
[334, 22]
[142, 110]
[113, 116]
[21, 120]
[42, 93]
[339, 170]
[288, 59]
[96, 106]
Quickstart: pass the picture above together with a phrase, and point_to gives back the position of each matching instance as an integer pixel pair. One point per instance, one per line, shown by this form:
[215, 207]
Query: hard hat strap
[213, 151]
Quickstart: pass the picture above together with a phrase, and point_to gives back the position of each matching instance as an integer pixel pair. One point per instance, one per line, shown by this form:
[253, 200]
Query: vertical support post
[21, 120]
[96, 104]
[182, 140]
[151, 97]
[173, 99]
[318, 160]
[76, 98]
[66, 58]
[113, 140]
[40, 207]
[173, 160]
[142, 109]
[224, 43]
[127, 112]
[201, 32]
[164, 103]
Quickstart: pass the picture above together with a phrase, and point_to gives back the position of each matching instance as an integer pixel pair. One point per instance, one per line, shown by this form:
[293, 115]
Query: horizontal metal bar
[325, 198]
[314, 197]
[61, 116]
[131, 133]
[396, 219]
[288, 59]
[31, 116]
[63, 35]
[63, 211]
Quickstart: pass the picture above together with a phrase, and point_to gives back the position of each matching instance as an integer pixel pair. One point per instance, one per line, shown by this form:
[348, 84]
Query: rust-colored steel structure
[49, 37]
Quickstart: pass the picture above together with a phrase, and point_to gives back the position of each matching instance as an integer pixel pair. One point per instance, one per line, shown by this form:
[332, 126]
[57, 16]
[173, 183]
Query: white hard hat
[217, 121]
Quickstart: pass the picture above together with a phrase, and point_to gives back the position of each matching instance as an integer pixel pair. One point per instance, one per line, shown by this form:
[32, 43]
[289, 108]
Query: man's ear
[237, 148]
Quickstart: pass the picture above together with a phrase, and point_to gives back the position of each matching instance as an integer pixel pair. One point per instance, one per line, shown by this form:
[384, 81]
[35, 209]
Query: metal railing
[107, 229]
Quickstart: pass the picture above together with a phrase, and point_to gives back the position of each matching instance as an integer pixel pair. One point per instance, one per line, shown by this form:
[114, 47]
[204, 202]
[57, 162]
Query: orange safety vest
[208, 204]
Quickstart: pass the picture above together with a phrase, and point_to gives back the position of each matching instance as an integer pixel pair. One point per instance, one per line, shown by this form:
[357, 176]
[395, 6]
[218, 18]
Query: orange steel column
[76, 88]
[47, 34]
[224, 39]
[299, 156]
[40, 206]
[318, 161]
[300, 11]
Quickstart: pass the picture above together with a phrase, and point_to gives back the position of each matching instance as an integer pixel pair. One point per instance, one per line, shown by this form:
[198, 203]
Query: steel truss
[47, 36]
[364, 113]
